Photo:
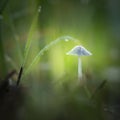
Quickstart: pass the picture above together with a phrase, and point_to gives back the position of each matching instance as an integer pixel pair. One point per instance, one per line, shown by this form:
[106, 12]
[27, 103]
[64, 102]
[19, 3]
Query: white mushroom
[79, 51]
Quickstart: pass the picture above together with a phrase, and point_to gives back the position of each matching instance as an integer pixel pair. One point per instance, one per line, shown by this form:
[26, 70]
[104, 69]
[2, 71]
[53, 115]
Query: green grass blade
[27, 46]
[29, 40]
[65, 38]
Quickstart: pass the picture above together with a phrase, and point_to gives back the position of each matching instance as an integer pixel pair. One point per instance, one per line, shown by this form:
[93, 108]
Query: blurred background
[50, 89]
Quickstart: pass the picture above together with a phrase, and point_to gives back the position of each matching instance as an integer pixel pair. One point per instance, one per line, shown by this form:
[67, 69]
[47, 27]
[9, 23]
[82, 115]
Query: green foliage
[50, 80]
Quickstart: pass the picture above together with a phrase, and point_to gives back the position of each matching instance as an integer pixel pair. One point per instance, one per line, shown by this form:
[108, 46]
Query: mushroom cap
[79, 51]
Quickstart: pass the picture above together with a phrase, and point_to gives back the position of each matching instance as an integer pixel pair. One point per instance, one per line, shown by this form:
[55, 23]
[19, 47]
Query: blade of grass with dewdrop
[65, 38]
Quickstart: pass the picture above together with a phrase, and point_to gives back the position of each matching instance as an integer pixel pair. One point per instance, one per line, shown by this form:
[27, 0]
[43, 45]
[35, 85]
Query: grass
[45, 98]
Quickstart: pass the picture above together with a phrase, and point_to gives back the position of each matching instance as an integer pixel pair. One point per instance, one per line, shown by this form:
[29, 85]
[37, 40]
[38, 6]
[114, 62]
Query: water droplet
[66, 40]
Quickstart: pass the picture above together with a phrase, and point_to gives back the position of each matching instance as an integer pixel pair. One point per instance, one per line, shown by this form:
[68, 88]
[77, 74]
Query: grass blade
[27, 46]
[65, 38]
[29, 40]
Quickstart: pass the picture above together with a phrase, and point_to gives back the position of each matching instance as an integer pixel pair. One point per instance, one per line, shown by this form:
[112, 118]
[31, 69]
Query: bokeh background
[51, 89]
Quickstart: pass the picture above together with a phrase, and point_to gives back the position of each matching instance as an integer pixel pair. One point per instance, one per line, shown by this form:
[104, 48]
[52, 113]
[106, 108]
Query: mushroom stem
[79, 69]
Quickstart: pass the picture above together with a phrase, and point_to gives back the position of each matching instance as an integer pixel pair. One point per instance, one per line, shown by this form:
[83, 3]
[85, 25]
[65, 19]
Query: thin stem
[79, 69]
[20, 75]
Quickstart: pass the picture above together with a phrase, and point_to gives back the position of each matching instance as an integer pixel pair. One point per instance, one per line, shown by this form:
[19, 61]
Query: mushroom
[79, 51]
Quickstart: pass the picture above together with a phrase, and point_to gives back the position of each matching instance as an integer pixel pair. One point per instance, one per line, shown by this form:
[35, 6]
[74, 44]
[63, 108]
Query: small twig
[19, 76]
